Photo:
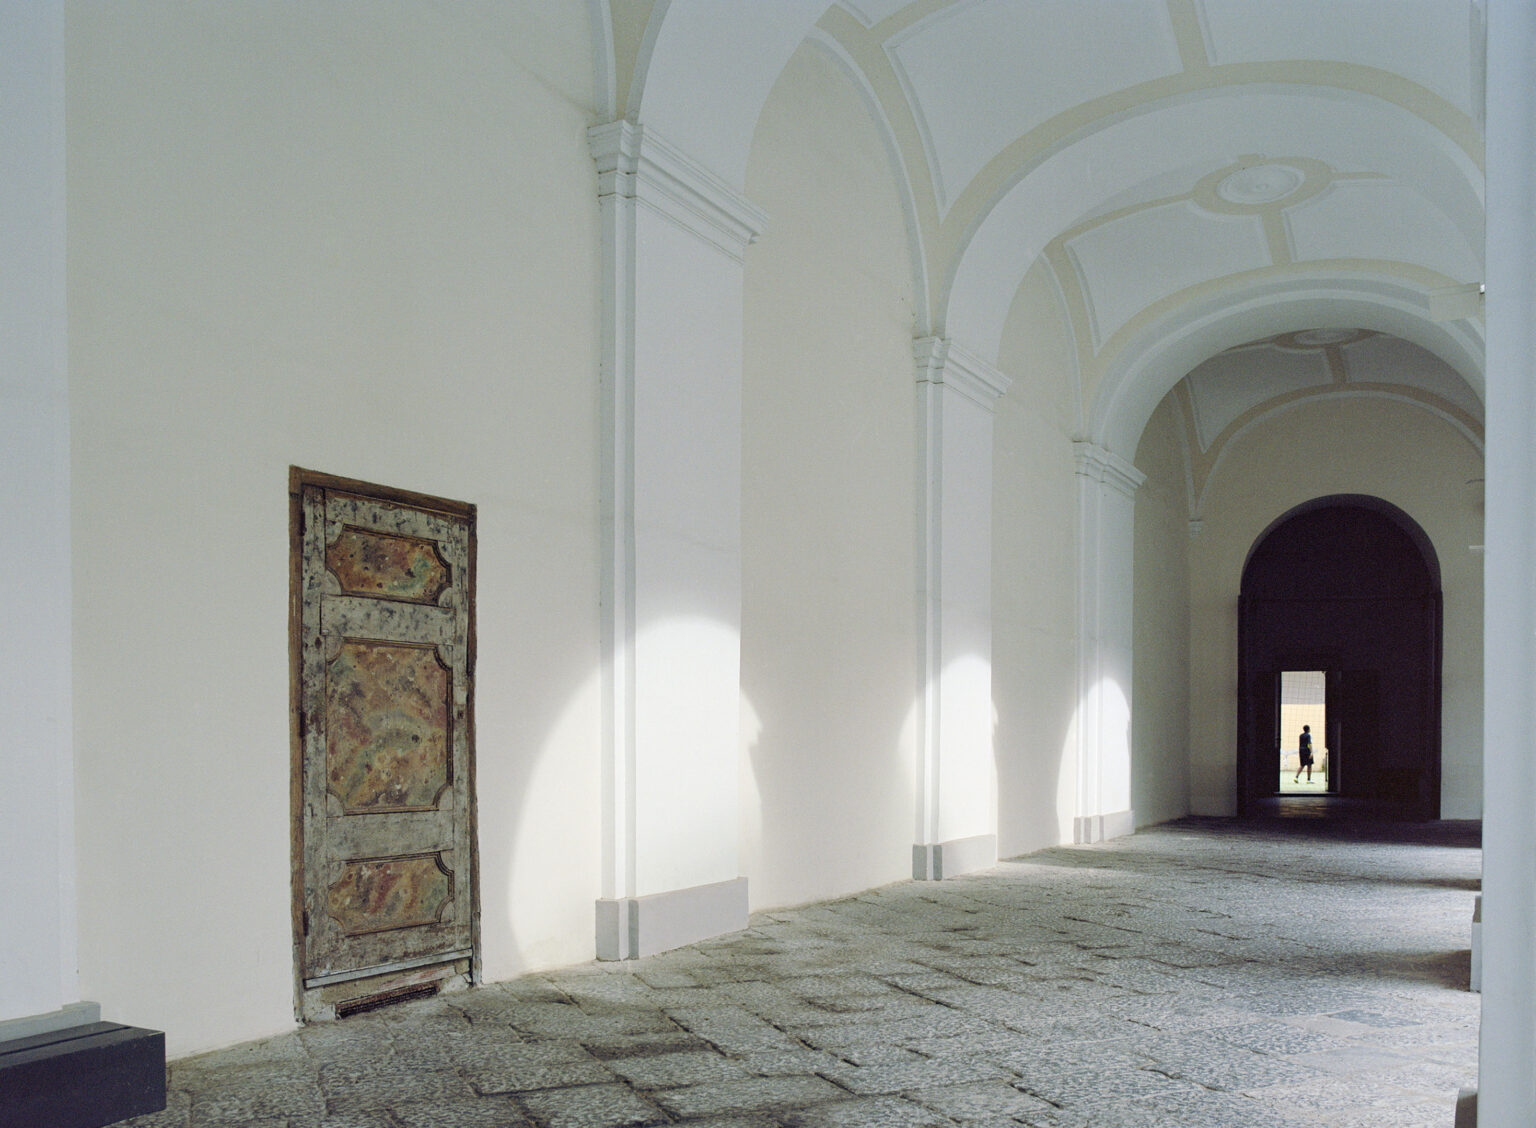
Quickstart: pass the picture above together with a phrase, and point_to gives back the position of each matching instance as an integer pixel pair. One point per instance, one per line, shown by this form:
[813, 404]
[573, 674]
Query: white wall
[1160, 690]
[367, 247]
[1387, 449]
[828, 651]
[37, 930]
[1034, 584]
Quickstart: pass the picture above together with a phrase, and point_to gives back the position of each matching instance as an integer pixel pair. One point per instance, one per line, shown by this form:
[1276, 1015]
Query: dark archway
[1349, 585]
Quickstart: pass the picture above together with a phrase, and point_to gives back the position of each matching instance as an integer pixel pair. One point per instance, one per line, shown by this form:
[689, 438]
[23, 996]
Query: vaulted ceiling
[1197, 175]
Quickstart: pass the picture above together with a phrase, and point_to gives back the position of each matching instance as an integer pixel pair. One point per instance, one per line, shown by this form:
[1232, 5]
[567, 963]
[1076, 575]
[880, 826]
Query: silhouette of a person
[1304, 746]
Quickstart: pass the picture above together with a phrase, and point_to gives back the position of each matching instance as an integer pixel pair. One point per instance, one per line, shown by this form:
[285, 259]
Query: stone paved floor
[1196, 974]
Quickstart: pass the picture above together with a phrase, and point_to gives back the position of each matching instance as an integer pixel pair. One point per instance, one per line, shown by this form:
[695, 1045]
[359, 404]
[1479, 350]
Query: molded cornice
[1100, 465]
[941, 361]
[637, 164]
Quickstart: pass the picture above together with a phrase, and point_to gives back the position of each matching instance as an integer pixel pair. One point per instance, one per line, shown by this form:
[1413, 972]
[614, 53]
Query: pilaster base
[1098, 828]
[1477, 945]
[631, 927]
[950, 859]
[1466, 1108]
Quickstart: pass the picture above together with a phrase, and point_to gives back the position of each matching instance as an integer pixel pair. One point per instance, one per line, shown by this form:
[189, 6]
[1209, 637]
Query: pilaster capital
[941, 361]
[1107, 468]
[634, 163]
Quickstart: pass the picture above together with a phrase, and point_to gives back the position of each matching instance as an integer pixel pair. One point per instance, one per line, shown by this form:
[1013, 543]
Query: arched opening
[1348, 586]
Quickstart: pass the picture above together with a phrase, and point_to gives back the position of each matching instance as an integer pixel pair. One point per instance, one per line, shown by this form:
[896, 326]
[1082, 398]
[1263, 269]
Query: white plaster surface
[871, 12]
[1507, 1041]
[1430, 41]
[711, 69]
[1115, 159]
[661, 922]
[966, 801]
[1381, 219]
[1034, 643]
[1160, 640]
[37, 930]
[829, 643]
[1029, 61]
[284, 253]
[687, 558]
[1106, 577]
[1231, 383]
[1392, 360]
[1128, 263]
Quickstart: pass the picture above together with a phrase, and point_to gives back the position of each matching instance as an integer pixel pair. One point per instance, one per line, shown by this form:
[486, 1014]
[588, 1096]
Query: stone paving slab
[592, 1106]
[1204, 974]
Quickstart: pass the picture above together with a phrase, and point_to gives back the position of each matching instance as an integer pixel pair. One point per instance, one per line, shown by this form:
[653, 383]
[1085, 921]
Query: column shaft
[957, 808]
[1106, 578]
[1507, 1040]
[673, 241]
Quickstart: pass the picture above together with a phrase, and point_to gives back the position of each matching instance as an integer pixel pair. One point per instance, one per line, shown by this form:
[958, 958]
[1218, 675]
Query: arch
[1350, 585]
[900, 176]
[1405, 524]
[707, 73]
[605, 83]
[1165, 350]
[1264, 415]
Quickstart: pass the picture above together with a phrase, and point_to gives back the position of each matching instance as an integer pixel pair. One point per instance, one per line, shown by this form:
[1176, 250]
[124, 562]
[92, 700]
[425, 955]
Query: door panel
[1265, 778]
[384, 689]
[1355, 755]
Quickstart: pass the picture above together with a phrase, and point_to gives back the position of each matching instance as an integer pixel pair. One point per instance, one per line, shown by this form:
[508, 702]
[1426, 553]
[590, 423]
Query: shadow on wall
[828, 771]
[1043, 788]
[1035, 757]
[545, 815]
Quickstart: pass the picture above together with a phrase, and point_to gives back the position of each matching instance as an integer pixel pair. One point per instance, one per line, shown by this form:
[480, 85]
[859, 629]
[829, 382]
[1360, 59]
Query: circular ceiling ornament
[1309, 340]
[1256, 184]
[1260, 184]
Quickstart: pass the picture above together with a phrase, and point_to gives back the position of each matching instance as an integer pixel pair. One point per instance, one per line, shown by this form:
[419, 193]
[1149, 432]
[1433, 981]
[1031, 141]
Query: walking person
[1304, 746]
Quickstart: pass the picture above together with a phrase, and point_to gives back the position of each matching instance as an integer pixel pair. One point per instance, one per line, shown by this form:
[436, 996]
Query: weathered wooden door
[384, 821]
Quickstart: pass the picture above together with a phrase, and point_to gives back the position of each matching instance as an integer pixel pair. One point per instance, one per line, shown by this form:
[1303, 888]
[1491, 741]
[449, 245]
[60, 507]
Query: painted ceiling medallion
[1257, 184]
[1260, 184]
[1320, 338]
[1307, 340]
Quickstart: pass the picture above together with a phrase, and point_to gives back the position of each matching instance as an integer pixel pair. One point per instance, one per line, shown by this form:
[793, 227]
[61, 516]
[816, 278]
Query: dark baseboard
[81, 1077]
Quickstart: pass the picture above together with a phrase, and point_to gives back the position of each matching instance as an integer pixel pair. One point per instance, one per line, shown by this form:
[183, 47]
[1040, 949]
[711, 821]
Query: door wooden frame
[298, 479]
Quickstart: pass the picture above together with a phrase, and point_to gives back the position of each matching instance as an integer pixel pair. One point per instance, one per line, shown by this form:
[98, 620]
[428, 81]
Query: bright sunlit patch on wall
[1105, 773]
[750, 831]
[686, 784]
[687, 717]
[968, 783]
[551, 877]
[1067, 777]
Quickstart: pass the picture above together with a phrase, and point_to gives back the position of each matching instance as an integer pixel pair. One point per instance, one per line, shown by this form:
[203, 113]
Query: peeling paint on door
[384, 844]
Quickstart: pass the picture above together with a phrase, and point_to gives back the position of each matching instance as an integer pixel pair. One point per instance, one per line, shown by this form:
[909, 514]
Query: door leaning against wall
[386, 901]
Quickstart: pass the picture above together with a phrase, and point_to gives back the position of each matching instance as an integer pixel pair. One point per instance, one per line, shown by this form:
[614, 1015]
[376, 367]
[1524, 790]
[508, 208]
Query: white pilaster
[1106, 493]
[957, 807]
[1507, 1038]
[38, 964]
[674, 237]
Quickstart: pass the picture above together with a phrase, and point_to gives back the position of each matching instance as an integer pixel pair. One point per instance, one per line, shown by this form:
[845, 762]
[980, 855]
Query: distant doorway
[1304, 766]
[1341, 593]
